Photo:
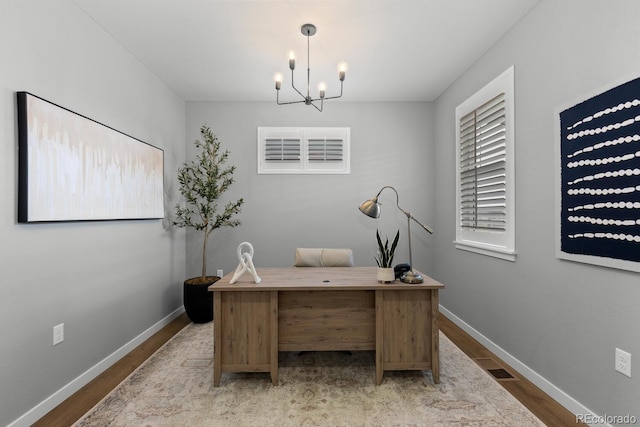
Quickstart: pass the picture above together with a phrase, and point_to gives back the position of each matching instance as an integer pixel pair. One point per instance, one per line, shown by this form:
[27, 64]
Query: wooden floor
[88, 396]
[538, 402]
[69, 411]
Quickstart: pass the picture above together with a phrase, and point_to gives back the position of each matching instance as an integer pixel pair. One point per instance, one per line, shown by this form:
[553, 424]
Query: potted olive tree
[202, 182]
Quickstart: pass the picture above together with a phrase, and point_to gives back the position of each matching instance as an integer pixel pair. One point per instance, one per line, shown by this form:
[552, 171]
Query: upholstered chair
[323, 257]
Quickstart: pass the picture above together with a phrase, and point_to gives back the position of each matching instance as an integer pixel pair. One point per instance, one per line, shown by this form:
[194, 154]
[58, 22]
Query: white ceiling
[229, 50]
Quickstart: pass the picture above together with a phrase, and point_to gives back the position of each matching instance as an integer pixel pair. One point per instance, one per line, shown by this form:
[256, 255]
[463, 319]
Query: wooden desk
[324, 309]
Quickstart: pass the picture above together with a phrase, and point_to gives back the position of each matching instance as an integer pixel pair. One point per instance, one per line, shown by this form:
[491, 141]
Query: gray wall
[391, 144]
[106, 281]
[561, 319]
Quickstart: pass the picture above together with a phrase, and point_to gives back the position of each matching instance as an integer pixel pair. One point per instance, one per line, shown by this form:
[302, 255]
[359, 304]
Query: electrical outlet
[220, 273]
[623, 362]
[58, 334]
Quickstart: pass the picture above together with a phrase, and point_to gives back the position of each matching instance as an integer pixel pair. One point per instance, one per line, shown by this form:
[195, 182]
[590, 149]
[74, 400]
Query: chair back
[323, 257]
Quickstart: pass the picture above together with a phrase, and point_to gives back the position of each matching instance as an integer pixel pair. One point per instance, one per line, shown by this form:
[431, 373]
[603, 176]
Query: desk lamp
[371, 208]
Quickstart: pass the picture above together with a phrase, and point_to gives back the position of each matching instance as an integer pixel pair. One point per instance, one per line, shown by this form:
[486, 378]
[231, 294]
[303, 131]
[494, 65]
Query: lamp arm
[409, 216]
[427, 229]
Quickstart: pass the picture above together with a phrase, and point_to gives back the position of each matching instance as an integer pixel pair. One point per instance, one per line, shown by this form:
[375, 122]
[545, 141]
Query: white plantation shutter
[485, 170]
[325, 150]
[282, 149]
[303, 150]
[483, 191]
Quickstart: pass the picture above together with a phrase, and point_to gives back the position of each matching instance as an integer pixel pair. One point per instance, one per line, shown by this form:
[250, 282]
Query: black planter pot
[198, 301]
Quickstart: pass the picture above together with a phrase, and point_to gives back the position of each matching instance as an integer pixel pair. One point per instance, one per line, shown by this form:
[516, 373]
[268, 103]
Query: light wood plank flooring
[549, 411]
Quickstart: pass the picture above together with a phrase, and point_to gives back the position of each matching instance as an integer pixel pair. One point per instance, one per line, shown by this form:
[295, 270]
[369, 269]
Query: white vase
[386, 275]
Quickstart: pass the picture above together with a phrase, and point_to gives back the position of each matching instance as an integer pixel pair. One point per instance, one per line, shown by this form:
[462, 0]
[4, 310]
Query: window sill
[493, 251]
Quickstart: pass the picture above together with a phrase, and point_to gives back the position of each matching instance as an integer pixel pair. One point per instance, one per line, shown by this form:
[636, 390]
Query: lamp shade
[370, 207]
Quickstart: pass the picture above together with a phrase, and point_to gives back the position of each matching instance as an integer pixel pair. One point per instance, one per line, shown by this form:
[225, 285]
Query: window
[485, 217]
[303, 150]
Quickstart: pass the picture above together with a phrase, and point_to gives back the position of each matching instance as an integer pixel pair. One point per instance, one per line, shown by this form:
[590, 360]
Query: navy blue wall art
[599, 178]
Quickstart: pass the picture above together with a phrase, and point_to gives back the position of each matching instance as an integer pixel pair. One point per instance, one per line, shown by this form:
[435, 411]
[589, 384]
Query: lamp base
[411, 277]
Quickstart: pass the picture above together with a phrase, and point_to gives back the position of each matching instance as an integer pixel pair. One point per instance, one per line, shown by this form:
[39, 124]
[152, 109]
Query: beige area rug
[174, 388]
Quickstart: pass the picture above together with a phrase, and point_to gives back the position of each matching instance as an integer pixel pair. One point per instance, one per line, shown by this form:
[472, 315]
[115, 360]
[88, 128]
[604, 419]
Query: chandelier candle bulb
[292, 60]
[278, 79]
[322, 87]
[342, 69]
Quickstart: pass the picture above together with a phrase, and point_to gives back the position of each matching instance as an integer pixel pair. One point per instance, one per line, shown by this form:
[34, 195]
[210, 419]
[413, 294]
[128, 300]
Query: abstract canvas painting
[71, 168]
[599, 178]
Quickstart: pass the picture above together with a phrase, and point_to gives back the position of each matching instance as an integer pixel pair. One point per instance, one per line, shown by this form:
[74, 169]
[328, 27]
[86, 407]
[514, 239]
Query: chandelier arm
[336, 96]
[311, 102]
[296, 89]
[291, 102]
[286, 102]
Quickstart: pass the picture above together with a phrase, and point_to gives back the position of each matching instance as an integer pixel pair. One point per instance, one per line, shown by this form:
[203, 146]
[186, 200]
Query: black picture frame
[73, 168]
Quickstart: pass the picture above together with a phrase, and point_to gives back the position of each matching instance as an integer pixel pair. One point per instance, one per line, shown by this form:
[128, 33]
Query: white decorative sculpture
[245, 264]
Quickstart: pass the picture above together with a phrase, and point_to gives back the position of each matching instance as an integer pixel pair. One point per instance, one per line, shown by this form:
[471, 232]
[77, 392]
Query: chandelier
[309, 30]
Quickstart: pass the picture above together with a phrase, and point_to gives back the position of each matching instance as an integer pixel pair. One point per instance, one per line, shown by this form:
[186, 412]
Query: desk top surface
[317, 278]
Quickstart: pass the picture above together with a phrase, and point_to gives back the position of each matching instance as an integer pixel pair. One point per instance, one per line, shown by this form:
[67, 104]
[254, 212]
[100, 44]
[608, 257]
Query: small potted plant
[202, 182]
[384, 259]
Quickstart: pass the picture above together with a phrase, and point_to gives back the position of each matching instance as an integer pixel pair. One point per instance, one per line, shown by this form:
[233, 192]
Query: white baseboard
[65, 392]
[558, 395]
